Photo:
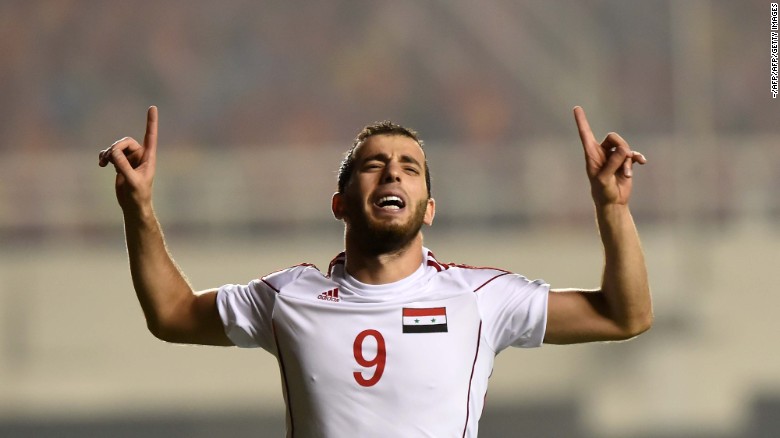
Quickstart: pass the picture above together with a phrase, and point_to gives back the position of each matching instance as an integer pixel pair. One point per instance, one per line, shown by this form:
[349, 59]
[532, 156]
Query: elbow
[637, 327]
[166, 322]
[156, 328]
[160, 330]
[645, 322]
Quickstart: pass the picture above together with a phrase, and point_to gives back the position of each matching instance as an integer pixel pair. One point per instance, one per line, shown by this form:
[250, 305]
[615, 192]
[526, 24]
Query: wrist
[139, 214]
[610, 208]
[613, 219]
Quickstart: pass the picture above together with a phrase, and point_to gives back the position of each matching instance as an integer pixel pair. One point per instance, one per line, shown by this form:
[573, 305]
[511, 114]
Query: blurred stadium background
[257, 102]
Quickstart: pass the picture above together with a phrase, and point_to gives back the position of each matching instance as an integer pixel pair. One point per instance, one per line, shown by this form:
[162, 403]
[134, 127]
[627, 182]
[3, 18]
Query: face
[385, 203]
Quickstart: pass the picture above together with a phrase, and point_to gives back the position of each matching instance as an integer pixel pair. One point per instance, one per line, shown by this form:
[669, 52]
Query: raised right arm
[174, 311]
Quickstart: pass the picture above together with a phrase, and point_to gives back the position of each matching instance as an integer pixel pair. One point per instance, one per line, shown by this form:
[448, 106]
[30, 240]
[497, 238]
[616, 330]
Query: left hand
[608, 164]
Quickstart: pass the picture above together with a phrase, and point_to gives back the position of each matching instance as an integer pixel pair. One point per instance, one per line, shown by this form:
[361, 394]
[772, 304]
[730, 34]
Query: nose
[392, 173]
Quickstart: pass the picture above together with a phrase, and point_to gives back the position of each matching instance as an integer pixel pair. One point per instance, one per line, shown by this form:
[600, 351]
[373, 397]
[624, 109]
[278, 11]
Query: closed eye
[372, 166]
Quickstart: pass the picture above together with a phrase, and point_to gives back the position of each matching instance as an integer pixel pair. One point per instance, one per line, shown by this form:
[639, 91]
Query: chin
[388, 238]
[381, 236]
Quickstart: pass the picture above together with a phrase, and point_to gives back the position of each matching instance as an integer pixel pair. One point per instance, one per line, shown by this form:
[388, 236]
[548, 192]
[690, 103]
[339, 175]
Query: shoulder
[477, 277]
[279, 279]
[474, 277]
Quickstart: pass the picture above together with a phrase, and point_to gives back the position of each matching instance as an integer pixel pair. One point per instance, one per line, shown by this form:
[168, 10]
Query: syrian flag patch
[425, 320]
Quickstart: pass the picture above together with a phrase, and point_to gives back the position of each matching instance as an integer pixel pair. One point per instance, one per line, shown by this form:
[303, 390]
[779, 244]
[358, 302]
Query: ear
[337, 205]
[430, 212]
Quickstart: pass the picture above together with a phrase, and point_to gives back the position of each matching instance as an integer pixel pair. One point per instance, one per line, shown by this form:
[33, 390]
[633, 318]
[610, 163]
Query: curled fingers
[124, 147]
[620, 155]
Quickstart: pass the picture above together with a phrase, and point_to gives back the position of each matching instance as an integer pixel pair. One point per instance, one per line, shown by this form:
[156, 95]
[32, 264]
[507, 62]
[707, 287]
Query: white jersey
[406, 359]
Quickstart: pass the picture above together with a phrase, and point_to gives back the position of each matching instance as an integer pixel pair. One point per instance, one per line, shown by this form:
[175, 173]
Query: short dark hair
[378, 128]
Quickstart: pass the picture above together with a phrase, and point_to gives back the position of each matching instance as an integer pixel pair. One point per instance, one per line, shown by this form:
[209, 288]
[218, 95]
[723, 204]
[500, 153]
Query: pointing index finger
[150, 139]
[586, 134]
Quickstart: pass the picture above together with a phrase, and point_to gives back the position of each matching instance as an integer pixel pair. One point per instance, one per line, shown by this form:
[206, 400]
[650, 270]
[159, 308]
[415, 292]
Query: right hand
[135, 166]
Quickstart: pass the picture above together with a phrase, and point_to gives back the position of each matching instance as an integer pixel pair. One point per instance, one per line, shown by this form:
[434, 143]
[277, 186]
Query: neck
[386, 267]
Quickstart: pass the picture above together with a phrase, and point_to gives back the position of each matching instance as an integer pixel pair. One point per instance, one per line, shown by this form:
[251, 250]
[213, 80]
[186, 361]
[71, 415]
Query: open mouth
[390, 202]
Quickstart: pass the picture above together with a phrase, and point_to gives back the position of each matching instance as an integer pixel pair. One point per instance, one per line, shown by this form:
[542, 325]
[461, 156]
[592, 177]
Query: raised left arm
[622, 307]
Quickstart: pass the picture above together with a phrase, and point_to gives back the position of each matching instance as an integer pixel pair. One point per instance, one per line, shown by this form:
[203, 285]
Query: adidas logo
[331, 295]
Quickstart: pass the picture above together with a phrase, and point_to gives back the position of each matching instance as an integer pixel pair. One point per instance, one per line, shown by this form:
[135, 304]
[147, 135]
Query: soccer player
[389, 342]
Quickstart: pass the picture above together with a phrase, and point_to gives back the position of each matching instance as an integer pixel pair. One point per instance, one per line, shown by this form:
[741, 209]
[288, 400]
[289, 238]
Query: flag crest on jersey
[425, 320]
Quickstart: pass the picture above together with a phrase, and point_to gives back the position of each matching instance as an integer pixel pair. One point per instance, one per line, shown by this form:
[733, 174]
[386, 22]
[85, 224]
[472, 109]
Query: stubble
[380, 237]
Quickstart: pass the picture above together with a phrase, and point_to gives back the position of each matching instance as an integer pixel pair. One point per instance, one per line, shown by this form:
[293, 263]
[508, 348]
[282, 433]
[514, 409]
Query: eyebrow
[385, 158]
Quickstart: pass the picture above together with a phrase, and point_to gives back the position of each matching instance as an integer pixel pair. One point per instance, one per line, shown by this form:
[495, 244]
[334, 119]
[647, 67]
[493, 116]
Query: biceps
[575, 316]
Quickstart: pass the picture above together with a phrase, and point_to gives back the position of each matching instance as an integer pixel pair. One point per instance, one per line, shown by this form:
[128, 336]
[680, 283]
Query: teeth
[390, 202]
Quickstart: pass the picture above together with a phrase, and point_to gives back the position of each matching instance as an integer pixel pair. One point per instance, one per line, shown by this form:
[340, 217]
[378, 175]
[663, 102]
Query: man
[389, 342]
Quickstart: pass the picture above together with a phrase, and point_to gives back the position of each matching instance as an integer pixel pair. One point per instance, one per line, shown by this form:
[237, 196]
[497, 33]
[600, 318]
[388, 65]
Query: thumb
[615, 162]
[122, 166]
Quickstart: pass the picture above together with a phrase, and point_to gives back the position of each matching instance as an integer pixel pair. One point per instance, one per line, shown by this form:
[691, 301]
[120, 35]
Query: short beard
[376, 238]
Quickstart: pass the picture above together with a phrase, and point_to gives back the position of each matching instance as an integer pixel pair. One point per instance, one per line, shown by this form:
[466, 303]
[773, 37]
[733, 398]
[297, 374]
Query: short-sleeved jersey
[406, 359]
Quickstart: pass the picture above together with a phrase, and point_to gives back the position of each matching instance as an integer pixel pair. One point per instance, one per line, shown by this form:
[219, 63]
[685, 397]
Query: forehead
[389, 145]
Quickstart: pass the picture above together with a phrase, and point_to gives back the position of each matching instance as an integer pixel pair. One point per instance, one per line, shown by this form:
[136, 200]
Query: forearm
[159, 284]
[625, 285]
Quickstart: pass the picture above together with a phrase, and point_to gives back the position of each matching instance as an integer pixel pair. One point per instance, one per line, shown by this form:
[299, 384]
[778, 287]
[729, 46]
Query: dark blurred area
[76, 73]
